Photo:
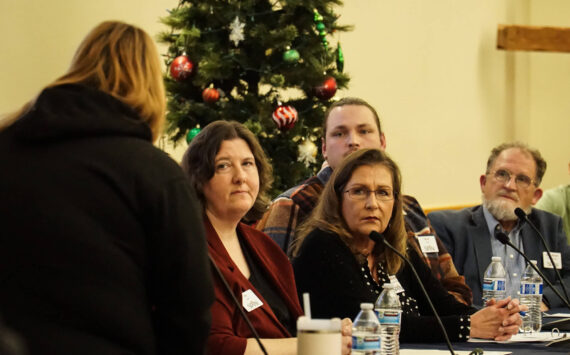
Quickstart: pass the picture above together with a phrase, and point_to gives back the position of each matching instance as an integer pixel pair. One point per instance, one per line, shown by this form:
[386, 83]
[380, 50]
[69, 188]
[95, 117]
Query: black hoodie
[102, 249]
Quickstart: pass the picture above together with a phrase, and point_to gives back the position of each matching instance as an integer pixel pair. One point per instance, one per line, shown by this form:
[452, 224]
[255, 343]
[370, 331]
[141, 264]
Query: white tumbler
[319, 336]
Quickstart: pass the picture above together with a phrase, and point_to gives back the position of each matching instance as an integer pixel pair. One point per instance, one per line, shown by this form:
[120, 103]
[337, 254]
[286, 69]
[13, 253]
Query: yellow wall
[445, 93]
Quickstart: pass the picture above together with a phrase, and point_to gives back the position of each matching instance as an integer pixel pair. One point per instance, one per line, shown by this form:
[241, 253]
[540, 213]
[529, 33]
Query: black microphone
[502, 237]
[239, 306]
[379, 238]
[523, 217]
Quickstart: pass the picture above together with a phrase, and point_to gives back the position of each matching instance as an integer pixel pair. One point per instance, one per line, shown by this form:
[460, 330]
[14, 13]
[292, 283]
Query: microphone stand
[502, 237]
[565, 342]
[377, 237]
[522, 216]
[239, 306]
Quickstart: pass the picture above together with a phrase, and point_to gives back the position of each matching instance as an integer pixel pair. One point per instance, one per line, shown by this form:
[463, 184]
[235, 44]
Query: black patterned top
[338, 282]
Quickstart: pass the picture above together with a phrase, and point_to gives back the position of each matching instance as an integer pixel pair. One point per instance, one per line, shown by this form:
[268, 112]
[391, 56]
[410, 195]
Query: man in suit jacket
[514, 172]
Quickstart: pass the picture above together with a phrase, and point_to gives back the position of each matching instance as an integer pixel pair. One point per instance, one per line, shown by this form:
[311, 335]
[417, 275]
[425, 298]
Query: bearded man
[512, 178]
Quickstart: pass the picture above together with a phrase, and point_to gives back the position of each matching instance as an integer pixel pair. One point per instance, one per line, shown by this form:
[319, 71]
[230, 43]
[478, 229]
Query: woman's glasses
[361, 193]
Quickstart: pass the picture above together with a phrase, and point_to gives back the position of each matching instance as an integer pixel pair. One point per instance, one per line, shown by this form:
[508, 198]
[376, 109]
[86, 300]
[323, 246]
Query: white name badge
[397, 287]
[250, 301]
[428, 244]
[555, 256]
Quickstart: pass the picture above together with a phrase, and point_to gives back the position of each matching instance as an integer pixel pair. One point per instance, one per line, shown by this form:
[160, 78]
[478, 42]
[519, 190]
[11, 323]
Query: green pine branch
[252, 77]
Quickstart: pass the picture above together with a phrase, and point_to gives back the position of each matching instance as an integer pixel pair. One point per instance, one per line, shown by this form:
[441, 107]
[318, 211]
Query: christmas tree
[266, 64]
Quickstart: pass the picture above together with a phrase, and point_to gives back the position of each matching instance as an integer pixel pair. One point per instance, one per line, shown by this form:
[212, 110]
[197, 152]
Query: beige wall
[445, 94]
[38, 38]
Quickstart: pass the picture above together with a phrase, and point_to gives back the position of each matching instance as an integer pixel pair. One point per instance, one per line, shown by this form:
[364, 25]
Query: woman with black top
[341, 267]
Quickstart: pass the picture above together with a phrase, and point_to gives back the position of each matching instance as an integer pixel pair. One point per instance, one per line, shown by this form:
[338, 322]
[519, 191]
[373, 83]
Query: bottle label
[531, 288]
[389, 316]
[365, 341]
[493, 284]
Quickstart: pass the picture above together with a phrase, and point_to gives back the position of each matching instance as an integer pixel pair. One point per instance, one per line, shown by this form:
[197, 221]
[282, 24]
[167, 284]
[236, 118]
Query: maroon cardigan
[229, 331]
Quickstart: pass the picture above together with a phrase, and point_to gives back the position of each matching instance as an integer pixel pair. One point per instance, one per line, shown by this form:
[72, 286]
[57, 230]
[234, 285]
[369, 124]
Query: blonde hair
[327, 215]
[120, 60]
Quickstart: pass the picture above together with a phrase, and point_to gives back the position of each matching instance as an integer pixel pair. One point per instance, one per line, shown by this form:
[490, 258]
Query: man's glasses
[503, 176]
[361, 193]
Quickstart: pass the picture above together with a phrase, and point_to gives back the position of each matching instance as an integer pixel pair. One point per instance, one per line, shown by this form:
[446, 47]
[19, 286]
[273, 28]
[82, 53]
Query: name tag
[250, 301]
[397, 287]
[428, 244]
[555, 256]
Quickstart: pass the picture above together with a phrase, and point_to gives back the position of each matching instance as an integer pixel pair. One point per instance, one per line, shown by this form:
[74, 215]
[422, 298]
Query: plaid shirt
[294, 205]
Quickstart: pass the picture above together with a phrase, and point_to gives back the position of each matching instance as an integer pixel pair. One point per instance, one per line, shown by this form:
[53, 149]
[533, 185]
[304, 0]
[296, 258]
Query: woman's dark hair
[199, 161]
[327, 215]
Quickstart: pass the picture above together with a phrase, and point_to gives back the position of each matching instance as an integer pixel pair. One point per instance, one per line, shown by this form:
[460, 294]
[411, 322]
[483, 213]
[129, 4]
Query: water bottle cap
[366, 306]
[496, 258]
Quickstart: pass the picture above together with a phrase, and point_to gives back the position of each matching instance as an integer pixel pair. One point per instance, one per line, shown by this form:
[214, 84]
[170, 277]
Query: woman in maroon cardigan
[228, 168]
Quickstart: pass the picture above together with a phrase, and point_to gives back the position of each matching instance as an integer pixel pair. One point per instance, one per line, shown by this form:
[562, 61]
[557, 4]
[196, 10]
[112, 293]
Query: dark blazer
[229, 332]
[466, 236]
[102, 249]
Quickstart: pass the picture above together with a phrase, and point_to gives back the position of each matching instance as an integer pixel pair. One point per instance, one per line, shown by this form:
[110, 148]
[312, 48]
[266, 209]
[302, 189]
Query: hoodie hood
[74, 111]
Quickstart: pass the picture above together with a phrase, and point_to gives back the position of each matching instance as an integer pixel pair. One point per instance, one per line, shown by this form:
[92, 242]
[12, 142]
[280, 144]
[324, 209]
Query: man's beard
[502, 210]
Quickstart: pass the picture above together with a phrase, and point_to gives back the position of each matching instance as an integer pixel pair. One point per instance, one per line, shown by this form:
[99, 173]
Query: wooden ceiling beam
[533, 38]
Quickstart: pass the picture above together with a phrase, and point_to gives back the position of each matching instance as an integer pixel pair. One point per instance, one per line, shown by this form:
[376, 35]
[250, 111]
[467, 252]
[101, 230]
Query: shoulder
[410, 201]
[414, 216]
[297, 188]
[545, 217]
[454, 215]
[451, 224]
[324, 246]
[152, 170]
[311, 187]
[322, 238]
[555, 200]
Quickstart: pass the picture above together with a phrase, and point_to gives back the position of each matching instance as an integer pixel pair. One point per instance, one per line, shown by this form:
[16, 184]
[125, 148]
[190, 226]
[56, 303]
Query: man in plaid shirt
[351, 124]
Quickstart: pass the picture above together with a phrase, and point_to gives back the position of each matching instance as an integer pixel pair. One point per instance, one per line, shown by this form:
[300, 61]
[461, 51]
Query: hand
[543, 307]
[499, 320]
[346, 331]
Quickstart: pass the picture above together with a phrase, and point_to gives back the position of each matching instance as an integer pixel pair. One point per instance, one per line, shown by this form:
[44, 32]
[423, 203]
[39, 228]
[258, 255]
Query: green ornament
[339, 58]
[291, 56]
[191, 134]
[320, 26]
[317, 17]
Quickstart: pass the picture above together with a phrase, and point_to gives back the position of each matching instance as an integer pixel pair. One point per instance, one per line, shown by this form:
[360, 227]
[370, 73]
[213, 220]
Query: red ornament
[327, 89]
[285, 117]
[181, 68]
[210, 95]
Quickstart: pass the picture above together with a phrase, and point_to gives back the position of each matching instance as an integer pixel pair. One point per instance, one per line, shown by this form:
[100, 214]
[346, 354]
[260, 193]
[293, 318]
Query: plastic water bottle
[531, 295]
[494, 281]
[389, 314]
[366, 331]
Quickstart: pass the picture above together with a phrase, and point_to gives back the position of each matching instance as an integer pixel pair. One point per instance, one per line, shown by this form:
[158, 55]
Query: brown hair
[535, 154]
[199, 161]
[120, 60]
[328, 217]
[349, 101]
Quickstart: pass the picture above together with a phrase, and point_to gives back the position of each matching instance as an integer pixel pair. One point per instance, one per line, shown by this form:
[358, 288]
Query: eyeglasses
[361, 193]
[504, 177]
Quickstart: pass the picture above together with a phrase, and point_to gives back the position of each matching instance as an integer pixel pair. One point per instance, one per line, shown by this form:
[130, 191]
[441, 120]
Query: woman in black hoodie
[102, 249]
